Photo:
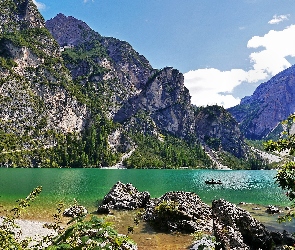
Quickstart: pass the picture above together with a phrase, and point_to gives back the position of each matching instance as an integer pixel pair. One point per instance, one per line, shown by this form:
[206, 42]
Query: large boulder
[75, 211]
[179, 211]
[124, 196]
[236, 229]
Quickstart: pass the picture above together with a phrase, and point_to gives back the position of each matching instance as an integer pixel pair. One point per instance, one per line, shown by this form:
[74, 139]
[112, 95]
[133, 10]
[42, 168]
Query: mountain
[73, 98]
[35, 104]
[136, 89]
[272, 102]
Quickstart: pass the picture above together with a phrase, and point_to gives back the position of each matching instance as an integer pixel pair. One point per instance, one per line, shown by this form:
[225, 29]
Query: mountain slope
[72, 98]
[131, 89]
[35, 105]
[272, 102]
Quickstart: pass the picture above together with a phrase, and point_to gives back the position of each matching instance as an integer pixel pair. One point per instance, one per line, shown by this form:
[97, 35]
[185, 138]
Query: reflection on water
[69, 183]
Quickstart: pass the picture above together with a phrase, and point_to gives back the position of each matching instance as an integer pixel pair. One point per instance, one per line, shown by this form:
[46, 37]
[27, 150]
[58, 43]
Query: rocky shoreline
[230, 226]
[222, 225]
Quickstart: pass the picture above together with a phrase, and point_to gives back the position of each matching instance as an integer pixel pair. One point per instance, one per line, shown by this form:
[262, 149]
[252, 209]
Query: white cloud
[212, 86]
[278, 19]
[277, 46]
[86, 1]
[40, 6]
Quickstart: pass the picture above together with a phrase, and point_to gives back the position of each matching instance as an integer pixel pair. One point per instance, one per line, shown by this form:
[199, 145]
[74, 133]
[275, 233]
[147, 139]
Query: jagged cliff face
[166, 100]
[133, 89]
[112, 66]
[218, 129]
[32, 75]
[61, 93]
[272, 102]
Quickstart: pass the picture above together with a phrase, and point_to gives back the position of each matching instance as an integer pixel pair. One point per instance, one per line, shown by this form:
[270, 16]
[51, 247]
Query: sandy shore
[33, 229]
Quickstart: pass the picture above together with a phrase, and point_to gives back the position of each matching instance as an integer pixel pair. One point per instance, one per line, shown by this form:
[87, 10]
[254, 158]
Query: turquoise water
[88, 186]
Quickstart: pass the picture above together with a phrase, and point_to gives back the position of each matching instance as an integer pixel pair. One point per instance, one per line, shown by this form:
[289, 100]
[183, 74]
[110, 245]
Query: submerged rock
[272, 210]
[124, 196]
[179, 211]
[236, 229]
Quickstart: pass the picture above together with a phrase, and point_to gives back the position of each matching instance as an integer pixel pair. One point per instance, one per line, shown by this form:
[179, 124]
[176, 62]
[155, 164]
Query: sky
[224, 48]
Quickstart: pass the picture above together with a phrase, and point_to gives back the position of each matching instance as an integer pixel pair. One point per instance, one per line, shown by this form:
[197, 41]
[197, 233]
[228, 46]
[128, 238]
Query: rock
[288, 238]
[103, 209]
[272, 210]
[277, 238]
[283, 239]
[256, 208]
[235, 228]
[125, 196]
[271, 103]
[75, 211]
[203, 243]
[40, 78]
[179, 211]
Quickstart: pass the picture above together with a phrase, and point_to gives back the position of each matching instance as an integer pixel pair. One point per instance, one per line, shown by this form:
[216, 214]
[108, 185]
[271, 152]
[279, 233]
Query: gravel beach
[33, 229]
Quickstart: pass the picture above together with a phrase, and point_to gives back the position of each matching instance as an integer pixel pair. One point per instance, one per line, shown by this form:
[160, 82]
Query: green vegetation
[252, 162]
[8, 237]
[84, 52]
[167, 210]
[286, 173]
[71, 150]
[258, 144]
[166, 152]
[36, 39]
[7, 63]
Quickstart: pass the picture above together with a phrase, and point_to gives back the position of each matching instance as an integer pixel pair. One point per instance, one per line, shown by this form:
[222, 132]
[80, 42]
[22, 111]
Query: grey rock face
[272, 102]
[179, 211]
[219, 130]
[167, 101]
[133, 86]
[75, 211]
[124, 196]
[71, 32]
[33, 96]
[19, 15]
[236, 229]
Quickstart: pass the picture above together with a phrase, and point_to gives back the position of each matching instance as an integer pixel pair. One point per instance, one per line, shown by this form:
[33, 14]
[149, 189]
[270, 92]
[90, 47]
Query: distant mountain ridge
[271, 103]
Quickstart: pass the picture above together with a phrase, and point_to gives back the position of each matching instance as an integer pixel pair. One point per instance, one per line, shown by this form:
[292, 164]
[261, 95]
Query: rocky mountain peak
[68, 30]
[272, 102]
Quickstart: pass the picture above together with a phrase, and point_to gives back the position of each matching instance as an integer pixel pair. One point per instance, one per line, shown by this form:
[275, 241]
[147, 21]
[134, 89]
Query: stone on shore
[179, 211]
[75, 211]
[124, 196]
[233, 227]
[272, 210]
[236, 229]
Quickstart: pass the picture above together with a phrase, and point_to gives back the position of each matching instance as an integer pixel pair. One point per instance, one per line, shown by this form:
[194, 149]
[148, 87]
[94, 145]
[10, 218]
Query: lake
[88, 186]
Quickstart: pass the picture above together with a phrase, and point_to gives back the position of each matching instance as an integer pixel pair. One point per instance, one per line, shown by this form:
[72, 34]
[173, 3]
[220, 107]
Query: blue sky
[225, 48]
